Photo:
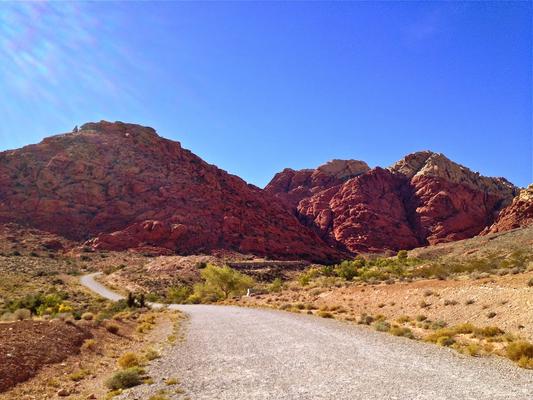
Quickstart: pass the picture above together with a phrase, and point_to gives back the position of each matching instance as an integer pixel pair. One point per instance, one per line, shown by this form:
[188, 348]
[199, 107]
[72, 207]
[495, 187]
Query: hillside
[423, 199]
[129, 188]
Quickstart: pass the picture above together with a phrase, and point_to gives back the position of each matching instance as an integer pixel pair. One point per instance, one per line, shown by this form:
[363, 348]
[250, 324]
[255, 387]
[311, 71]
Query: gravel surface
[243, 353]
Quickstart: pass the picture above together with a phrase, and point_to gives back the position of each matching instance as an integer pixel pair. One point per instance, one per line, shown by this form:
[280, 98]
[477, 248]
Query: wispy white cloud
[55, 52]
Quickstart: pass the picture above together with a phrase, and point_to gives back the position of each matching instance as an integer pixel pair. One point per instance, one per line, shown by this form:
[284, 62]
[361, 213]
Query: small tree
[402, 255]
[347, 270]
[226, 280]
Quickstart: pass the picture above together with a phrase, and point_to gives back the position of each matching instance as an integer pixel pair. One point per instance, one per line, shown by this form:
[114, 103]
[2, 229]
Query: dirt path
[243, 353]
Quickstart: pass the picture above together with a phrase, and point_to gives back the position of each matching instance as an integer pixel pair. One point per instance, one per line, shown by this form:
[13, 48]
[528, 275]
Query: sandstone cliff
[128, 187]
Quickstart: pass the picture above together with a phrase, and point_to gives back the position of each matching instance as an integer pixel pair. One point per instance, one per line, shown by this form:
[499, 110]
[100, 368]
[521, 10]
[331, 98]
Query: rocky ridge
[422, 199]
[518, 214]
[126, 187]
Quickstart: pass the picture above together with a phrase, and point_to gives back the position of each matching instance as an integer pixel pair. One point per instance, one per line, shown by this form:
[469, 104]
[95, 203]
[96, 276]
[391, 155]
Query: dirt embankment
[27, 346]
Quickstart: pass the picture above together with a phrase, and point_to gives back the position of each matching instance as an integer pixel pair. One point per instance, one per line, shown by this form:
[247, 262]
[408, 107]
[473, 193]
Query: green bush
[124, 379]
[22, 314]
[178, 294]
[517, 350]
[220, 283]
[276, 286]
[382, 326]
[402, 255]
[346, 270]
[405, 332]
[128, 360]
[445, 341]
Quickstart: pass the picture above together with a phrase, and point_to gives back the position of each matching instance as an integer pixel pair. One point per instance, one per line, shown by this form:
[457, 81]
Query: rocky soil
[27, 346]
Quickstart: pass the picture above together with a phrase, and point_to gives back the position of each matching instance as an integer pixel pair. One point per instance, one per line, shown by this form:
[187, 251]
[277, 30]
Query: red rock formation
[292, 186]
[423, 199]
[131, 188]
[518, 214]
[365, 213]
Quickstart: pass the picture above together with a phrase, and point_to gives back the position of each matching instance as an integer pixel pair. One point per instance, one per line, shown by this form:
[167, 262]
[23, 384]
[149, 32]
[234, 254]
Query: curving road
[234, 353]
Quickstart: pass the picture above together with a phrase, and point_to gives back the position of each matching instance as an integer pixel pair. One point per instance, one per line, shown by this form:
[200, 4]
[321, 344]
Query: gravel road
[238, 353]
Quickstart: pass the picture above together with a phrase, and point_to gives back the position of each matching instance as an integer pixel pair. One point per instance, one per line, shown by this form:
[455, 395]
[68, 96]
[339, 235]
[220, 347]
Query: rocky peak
[437, 165]
[130, 188]
[291, 186]
[343, 169]
[117, 127]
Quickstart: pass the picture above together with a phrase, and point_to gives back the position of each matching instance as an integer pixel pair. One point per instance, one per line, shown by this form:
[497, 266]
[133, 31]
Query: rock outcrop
[518, 214]
[127, 187]
[292, 186]
[423, 199]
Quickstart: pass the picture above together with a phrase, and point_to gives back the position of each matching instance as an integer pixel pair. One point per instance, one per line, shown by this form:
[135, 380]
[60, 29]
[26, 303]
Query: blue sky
[256, 87]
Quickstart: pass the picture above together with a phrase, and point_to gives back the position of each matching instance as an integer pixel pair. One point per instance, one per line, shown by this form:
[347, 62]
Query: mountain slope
[131, 188]
[423, 199]
[518, 214]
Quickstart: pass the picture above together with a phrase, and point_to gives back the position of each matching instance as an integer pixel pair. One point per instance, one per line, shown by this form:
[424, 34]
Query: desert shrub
[488, 331]
[128, 360]
[423, 304]
[520, 349]
[327, 270]
[159, 396]
[464, 328]
[112, 309]
[89, 344]
[224, 281]
[399, 331]
[421, 318]
[305, 277]
[78, 375]
[112, 327]
[346, 270]
[172, 381]
[87, 316]
[402, 255]
[178, 294]
[7, 316]
[473, 349]
[203, 293]
[403, 319]
[276, 286]
[39, 304]
[324, 314]
[124, 379]
[440, 333]
[382, 326]
[365, 319]
[22, 314]
[445, 341]
[450, 302]
[151, 354]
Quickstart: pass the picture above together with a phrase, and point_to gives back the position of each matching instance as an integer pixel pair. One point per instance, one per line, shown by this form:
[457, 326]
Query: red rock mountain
[518, 214]
[128, 187]
[423, 199]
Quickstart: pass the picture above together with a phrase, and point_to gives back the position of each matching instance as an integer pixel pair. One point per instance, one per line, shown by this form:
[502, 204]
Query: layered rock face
[131, 188]
[292, 186]
[518, 214]
[423, 199]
